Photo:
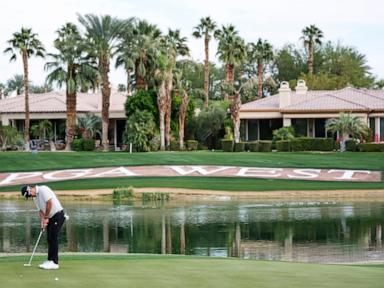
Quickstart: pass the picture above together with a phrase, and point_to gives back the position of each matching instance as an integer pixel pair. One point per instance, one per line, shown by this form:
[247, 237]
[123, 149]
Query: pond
[320, 232]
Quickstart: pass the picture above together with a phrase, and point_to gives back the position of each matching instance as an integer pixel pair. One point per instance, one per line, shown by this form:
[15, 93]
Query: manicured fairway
[180, 271]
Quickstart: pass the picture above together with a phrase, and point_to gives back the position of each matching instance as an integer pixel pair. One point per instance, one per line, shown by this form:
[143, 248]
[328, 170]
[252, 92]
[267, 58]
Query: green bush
[296, 145]
[371, 147]
[351, 145]
[323, 144]
[239, 147]
[175, 145]
[88, 144]
[192, 145]
[227, 145]
[77, 144]
[254, 146]
[283, 145]
[265, 146]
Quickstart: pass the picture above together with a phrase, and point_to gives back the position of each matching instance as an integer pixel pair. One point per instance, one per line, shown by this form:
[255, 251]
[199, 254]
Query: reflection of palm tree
[26, 44]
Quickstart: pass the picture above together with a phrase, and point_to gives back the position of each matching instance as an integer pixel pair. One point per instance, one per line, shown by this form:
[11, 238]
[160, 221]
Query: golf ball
[56, 279]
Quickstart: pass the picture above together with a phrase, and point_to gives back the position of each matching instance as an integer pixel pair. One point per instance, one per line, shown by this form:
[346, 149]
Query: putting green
[183, 271]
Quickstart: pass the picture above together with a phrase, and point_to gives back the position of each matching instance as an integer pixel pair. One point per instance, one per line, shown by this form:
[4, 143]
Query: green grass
[21, 161]
[209, 183]
[180, 271]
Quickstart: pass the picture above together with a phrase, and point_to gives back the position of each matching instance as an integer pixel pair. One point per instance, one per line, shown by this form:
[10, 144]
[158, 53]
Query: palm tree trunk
[230, 78]
[71, 119]
[182, 110]
[260, 78]
[129, 88]
[310, 57]
[106, 94]
[161, 103]
[235, 113]
[141, 83]
[168, 111]
[206, 71]
[26, 93]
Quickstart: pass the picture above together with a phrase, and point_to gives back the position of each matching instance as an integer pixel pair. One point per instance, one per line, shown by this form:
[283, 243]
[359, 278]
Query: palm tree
[174, 46]
[16, 83]
[26, 44]
[347, 125]
[103, 34]
[89, 125]
[311, 36]
[231, 50]
[205, 29]
[260, 53]
[182, 87]
[71, 67]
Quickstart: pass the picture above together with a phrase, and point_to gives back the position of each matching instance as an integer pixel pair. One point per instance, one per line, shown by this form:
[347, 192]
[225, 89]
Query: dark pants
[53, 228]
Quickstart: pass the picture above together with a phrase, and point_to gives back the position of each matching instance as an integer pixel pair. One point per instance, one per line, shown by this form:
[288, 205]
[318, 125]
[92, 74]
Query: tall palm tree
[182, 87]
[26, 44]
[103, 34]
[16, 83]
[70, 67]
[205, 29]
[311, 36]
[174, 46]
[347, 125]
[231, 50]
[260, 53]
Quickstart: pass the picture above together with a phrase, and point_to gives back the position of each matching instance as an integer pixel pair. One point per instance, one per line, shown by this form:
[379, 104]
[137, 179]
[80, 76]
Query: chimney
[301, 87]
[284, 94]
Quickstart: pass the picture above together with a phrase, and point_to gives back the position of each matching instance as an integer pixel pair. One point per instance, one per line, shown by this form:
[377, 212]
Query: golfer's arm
[48, 208]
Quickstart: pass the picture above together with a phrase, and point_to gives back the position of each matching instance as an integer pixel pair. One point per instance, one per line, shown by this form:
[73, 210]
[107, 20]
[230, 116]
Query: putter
[34, 249]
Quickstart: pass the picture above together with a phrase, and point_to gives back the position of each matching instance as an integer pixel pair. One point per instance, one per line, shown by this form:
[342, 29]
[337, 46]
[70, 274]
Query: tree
[205, 28]
[26, 44]
[3, 91]
[72, 67]
[311, 36]
[16, 83]
[347, 125]
[231, 50]
[102, 34]
[8, 136]
[140, 129]
[89, 125]
[260, 53]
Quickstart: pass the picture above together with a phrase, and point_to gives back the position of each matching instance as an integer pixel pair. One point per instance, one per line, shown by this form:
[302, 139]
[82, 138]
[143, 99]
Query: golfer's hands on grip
[44, 223]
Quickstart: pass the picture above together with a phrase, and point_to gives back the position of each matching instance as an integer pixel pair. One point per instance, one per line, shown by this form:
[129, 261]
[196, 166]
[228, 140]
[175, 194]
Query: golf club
[34, 249]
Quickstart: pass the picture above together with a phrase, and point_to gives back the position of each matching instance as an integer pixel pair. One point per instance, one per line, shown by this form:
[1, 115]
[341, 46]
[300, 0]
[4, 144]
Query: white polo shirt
[43, 194]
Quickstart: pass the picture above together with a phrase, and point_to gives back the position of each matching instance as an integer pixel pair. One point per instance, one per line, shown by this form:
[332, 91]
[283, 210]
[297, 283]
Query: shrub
[77, 144]
[296, 145]
[239, 147]
[246, 146]
[227, 145]
[371, 147]
[323, 144]
[283, 145]
[254, 146]
[175, 145]
[351, 145]
[192, 145]
[283, 133]
[88, 144]
[265, 146]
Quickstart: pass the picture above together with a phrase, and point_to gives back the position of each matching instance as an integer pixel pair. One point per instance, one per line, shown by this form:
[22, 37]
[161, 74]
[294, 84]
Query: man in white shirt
[52, 218]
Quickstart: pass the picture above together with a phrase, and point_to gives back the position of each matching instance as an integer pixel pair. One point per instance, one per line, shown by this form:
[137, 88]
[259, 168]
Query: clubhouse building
[307, 111]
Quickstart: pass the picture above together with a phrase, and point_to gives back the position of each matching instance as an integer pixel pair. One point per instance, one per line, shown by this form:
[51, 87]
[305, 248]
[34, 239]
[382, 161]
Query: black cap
[25, 191]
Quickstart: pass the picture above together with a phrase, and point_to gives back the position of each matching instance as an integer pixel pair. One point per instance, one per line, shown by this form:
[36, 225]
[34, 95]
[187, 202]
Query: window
[381, 129]
[320, 128]
[300, 126]
[252, 130]
[372, 126]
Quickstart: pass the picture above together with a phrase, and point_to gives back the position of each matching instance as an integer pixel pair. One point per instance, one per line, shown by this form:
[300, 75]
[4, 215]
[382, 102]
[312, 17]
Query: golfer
[52, 218]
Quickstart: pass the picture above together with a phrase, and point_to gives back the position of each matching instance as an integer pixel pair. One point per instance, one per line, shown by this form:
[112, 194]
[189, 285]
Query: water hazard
[321, 232]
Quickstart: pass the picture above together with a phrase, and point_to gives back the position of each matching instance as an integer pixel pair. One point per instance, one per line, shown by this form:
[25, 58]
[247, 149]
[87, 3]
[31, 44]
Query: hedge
[192, 145]
[312, 144]
[253, 146]
[265, 146]
[239, 147]
[371, 147]
[351, 145]
[227, 145]
[77, 144]
[88, 144]
[283, 145]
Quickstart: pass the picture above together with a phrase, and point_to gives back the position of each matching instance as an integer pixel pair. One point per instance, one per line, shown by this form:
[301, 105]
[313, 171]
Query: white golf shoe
[49, 265]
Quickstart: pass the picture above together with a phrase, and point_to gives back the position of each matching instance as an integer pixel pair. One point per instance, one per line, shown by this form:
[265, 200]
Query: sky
[355, 23]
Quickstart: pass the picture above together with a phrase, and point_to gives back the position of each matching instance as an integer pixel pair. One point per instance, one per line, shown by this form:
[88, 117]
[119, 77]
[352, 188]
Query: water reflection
[307, 231]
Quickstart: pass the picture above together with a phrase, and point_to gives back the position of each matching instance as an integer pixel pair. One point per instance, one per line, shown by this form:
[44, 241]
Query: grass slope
[180, 271]
[21, 161]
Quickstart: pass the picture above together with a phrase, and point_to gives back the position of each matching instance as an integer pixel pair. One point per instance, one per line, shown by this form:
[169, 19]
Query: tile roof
[55, 102]
[347, 99]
